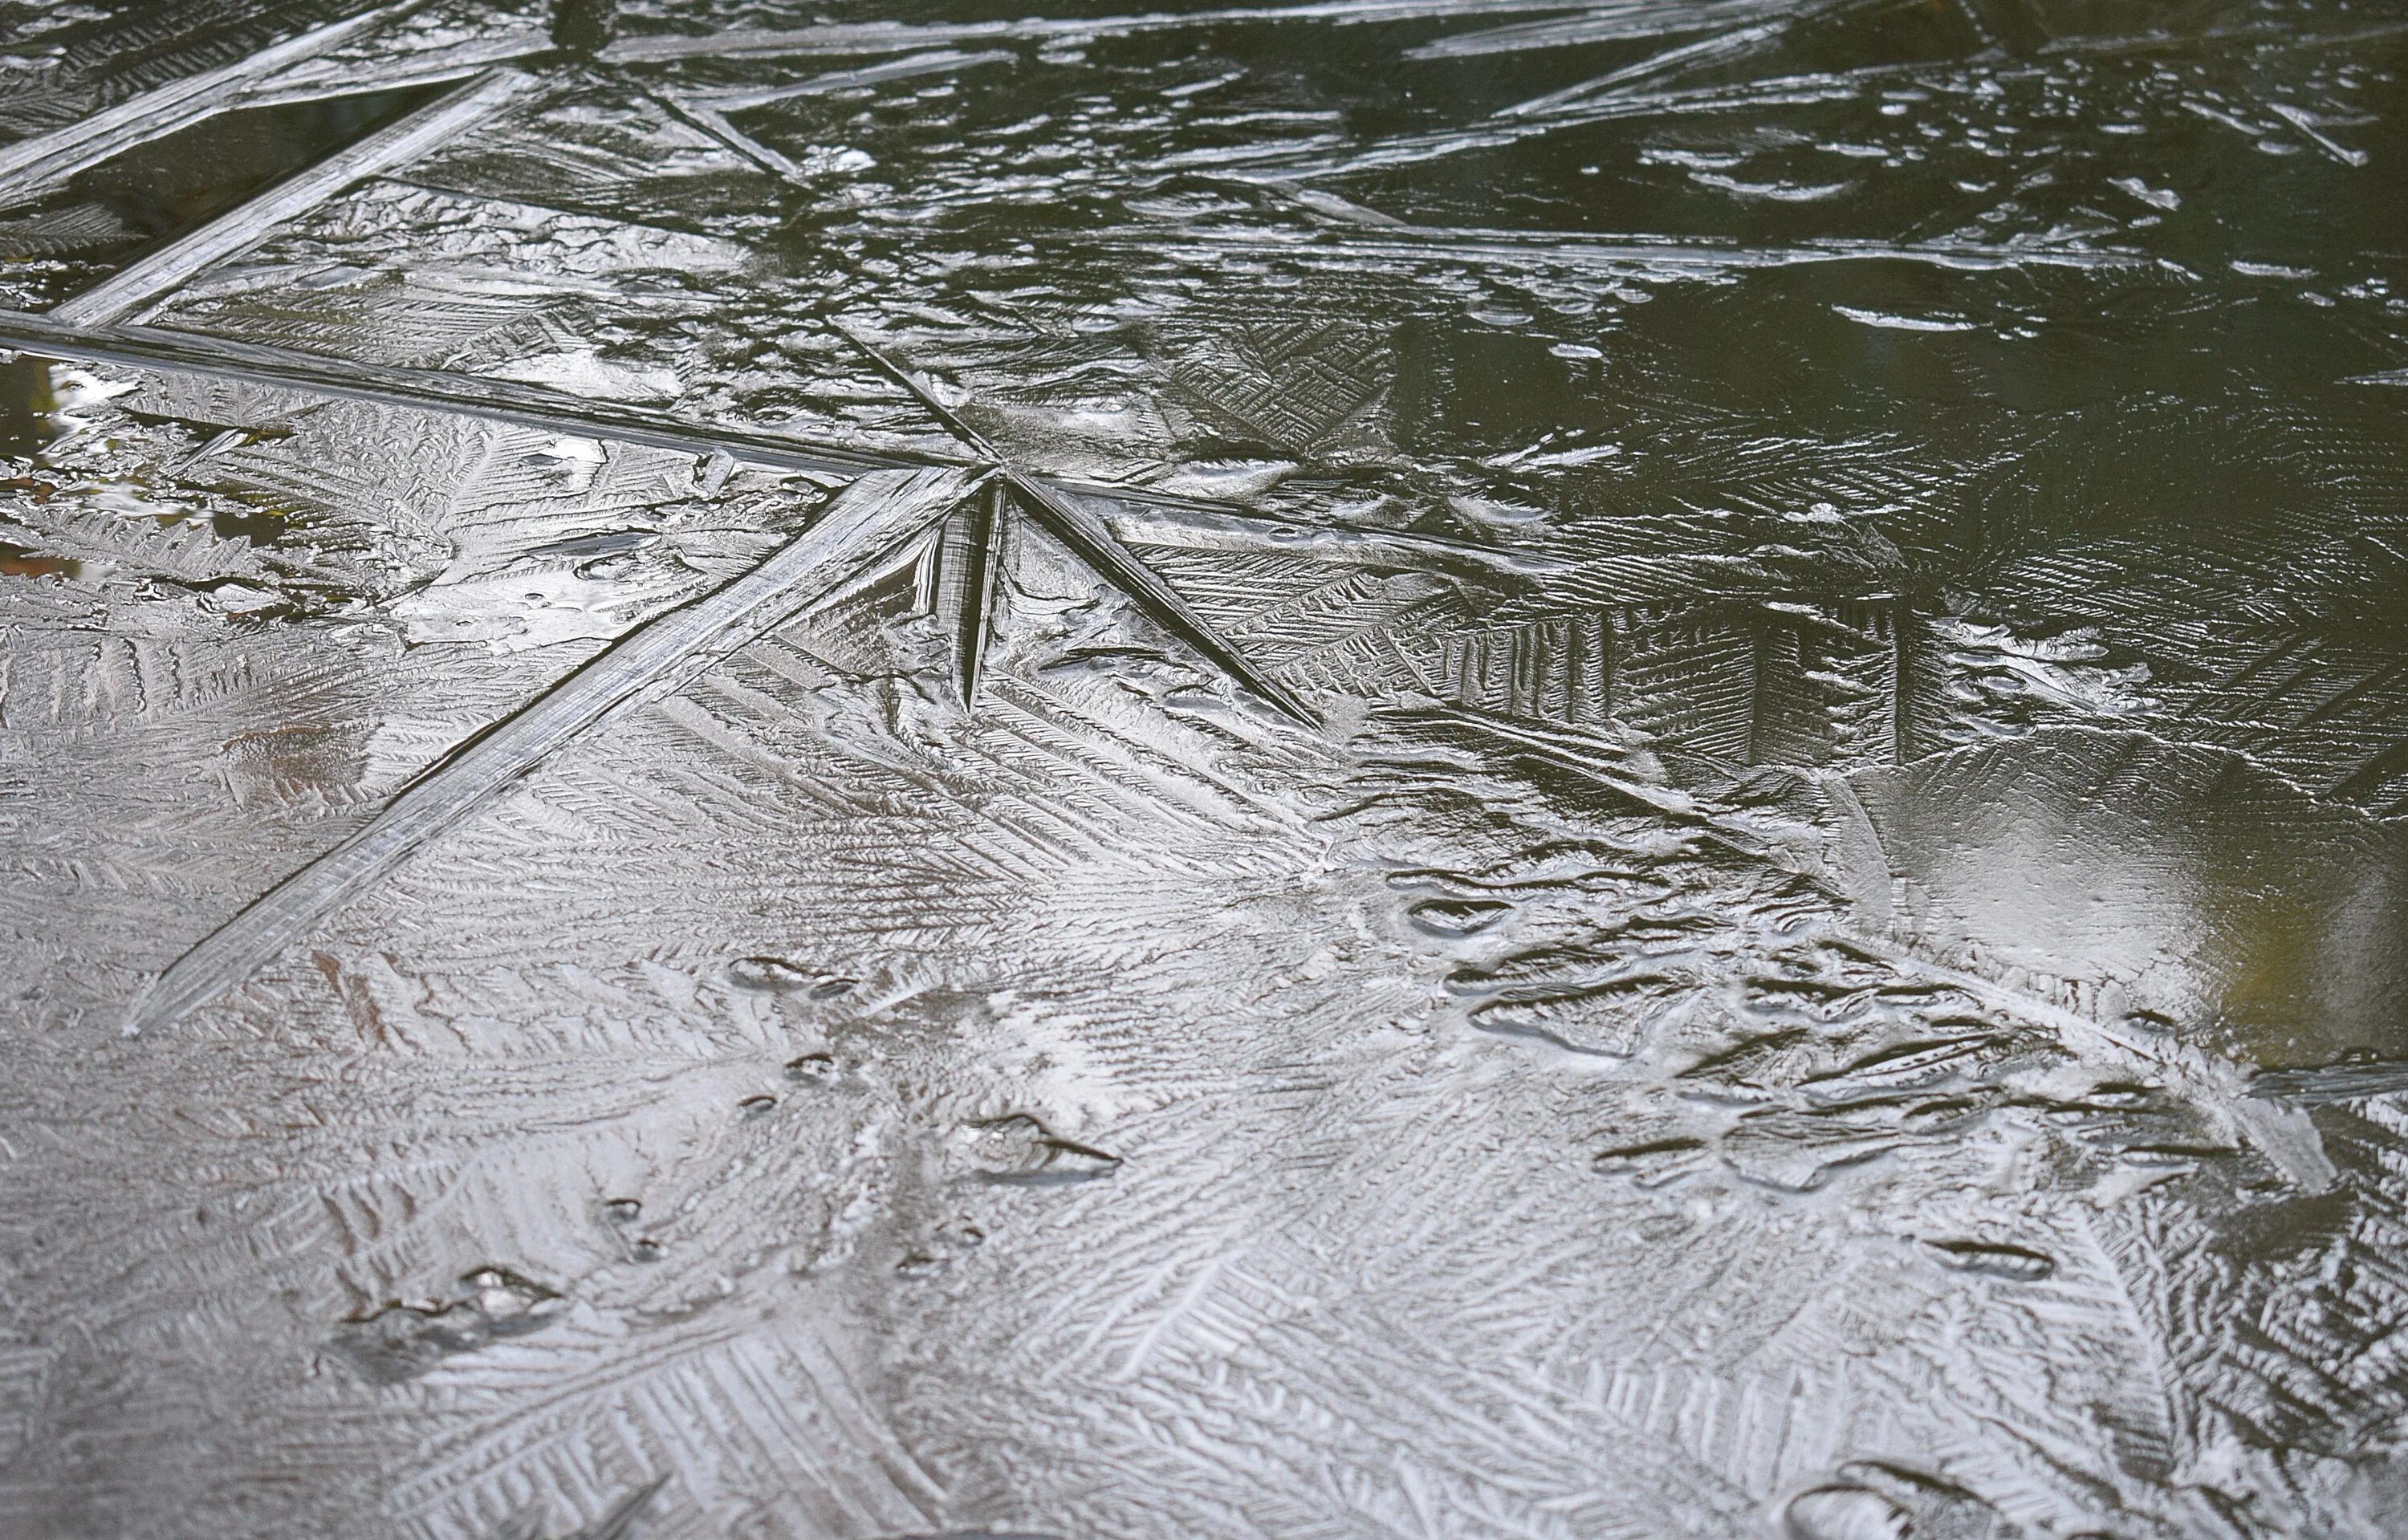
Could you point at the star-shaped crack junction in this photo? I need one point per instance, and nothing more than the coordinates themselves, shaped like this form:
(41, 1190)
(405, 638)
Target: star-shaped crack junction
(976, 497)
(969, 594)
(878, 512)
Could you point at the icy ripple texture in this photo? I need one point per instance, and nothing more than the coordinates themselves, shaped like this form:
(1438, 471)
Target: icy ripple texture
(1612, 768)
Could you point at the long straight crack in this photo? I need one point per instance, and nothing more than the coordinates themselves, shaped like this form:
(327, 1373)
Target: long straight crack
(1061, 516)
(432, 391)
(1086, 535)
(869, 518)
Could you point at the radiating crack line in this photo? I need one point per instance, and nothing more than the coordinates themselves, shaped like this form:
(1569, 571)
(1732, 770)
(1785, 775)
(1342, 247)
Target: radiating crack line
(256, 219)
(861, 524)
(457, 395)
(708, 120)
(968, 560)
(1093, 543)
(912, 380)
(1080, 529)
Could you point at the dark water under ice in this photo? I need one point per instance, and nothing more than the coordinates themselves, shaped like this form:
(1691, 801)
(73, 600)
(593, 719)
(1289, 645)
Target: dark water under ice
(1457, 768)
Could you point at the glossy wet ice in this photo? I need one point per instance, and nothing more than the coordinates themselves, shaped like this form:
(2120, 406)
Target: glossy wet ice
(1379, 767)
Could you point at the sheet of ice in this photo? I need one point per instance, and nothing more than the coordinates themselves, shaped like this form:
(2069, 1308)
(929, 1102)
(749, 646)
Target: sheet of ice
(1340, 767)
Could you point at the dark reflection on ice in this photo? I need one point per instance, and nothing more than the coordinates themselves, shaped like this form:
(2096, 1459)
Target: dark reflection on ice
(1394, 768)
(25, 405)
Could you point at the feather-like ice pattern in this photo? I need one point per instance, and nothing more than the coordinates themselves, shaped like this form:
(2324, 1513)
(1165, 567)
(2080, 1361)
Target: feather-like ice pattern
(1808, 941)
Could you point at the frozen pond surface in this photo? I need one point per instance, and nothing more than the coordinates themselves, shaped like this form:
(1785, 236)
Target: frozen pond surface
(1337, 768)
